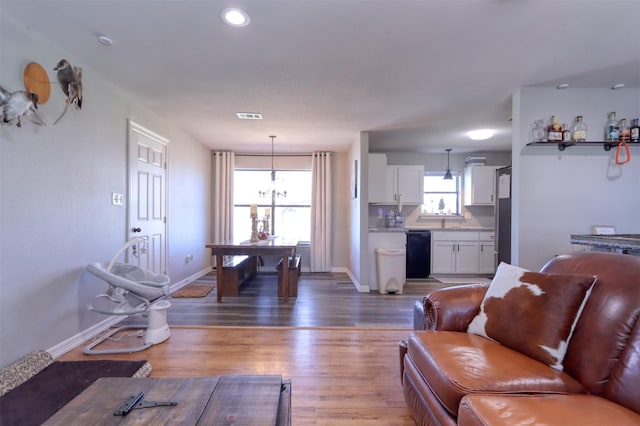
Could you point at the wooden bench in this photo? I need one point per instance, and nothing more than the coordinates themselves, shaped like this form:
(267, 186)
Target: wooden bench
(235, 271)
(294, 274)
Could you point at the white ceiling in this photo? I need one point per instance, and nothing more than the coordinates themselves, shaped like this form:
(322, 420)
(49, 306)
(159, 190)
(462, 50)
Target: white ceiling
(417, 74)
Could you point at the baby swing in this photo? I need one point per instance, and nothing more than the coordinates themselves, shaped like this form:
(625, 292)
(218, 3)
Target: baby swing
(132, 290)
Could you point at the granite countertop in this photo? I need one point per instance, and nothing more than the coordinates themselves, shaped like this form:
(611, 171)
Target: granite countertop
(387, 229)
(616, 241)
(431, 228)
(448, 228)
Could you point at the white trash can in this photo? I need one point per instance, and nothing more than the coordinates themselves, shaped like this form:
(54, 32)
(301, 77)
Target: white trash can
(391, 270)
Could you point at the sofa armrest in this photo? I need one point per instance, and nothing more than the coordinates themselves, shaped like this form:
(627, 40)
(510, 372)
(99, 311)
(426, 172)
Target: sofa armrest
(450, 308)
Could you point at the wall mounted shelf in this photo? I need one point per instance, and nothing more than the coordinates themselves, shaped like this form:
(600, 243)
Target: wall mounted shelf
(563, 145)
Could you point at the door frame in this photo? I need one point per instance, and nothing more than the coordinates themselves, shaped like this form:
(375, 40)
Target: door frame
(132, 127)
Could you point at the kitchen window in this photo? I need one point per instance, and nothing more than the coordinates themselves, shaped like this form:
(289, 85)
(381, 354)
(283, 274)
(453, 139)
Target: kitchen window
(290, 214)
(441, 196)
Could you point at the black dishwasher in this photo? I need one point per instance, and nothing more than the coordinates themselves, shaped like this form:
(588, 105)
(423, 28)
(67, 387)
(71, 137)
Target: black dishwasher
(418, 254)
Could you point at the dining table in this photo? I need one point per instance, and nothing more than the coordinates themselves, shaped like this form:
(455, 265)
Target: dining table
(271, 246)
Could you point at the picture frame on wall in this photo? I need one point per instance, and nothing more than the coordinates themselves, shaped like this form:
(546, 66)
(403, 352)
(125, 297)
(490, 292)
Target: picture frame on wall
(603, 229)
(354, 180)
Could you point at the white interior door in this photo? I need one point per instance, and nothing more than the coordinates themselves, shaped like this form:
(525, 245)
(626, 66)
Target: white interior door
(147, 198)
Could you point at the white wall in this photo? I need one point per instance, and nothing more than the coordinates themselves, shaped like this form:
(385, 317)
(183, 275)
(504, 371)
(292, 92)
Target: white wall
(358, 211)
(55, 189)
(556, 194)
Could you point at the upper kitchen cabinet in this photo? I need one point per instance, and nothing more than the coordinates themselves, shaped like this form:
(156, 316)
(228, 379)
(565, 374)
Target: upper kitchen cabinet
(393, 184)
(480, 185)
(408, 183)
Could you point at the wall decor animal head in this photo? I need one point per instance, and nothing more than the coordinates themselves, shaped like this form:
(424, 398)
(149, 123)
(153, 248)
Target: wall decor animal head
(70, 79)
(14, 105)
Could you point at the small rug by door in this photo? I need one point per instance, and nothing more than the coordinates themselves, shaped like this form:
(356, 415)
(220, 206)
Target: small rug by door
(193, 290)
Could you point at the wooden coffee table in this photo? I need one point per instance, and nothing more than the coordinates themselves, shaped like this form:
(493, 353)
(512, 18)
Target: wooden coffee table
(241, 400)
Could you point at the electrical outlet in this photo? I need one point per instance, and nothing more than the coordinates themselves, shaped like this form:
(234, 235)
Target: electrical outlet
(117, 199)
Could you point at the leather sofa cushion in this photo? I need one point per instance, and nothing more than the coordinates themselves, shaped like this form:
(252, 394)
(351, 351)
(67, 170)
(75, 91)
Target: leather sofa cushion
(606, 323)
(531, 312)
(456, 364)
(623, 386)
(508, 410)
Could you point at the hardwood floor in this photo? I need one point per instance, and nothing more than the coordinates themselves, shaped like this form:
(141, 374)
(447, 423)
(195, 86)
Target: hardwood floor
(339, 376)
(324, 300)
(339, 347)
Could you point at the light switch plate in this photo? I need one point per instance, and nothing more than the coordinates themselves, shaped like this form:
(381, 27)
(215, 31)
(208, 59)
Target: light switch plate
(117, 199)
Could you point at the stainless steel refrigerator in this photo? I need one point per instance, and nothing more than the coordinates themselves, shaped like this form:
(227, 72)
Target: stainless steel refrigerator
(503, 215)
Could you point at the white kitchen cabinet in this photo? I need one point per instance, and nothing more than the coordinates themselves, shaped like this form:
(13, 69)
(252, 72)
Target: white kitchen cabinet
(454, 252)
(479, 185)
(405, 184)
(387, 183)
(487, 256)
(409, 184)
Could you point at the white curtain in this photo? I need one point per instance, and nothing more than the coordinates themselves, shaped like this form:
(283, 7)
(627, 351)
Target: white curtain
(222, 221)
(320, 250)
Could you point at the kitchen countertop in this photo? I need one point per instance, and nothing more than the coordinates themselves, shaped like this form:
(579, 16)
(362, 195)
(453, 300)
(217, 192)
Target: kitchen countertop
(615, 241)
(424, 228)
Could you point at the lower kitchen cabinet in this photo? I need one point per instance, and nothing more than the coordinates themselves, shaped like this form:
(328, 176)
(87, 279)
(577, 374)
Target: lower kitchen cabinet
(455, 257)
(487, 256)
(462, 252)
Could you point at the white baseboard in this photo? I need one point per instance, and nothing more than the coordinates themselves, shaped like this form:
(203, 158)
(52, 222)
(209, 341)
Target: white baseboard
(189, 279)
(96, 329)
(360, 288)
(74, 341)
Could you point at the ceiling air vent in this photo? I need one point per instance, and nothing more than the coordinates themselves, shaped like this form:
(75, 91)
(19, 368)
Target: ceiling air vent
(249, 115)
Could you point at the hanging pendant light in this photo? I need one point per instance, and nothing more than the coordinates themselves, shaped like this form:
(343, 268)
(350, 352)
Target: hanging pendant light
(273, 170)
(448, 175)
(273, 189)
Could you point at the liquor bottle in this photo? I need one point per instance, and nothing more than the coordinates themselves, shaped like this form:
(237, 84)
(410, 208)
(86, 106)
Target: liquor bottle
(554, 131)
(634, 131)
(566, 133)
(579, 130)
(612, 128)
(625, 131)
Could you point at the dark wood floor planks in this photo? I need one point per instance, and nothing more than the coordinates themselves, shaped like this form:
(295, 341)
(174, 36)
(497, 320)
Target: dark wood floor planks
(324, 300)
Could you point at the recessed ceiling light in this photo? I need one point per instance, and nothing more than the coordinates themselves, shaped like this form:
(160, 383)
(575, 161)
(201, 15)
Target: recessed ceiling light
(249, 115)
(617, 86)
(480, 135)
(235, 17)
(562, 86)
(103, 39)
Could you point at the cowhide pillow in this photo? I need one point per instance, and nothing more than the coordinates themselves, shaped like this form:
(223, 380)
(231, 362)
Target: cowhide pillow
(531, 312)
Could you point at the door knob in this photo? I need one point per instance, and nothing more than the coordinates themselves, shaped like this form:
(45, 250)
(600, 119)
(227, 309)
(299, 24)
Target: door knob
(138, 229)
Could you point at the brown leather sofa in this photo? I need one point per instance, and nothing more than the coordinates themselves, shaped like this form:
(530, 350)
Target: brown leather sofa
(451, 377)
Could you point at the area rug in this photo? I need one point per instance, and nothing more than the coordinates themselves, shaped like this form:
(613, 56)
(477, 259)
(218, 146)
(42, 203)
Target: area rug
(194, 290)
(37, 399)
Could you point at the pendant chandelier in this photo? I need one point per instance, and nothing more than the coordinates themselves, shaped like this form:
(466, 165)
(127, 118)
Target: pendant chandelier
(447, 175)
(273, 189)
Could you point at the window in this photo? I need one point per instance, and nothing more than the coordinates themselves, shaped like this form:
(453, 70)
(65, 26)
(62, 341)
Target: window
(441, 196)
(290, 215)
